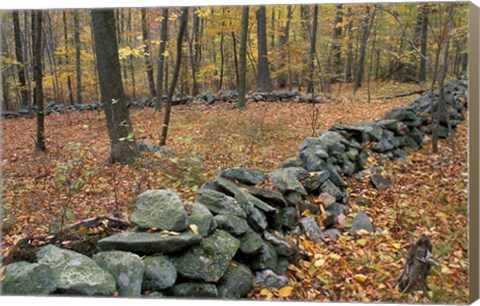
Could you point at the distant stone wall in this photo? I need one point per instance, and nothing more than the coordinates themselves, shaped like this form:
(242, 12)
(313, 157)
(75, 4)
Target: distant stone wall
(233, 236)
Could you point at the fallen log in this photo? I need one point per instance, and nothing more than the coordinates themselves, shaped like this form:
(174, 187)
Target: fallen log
(411, 93)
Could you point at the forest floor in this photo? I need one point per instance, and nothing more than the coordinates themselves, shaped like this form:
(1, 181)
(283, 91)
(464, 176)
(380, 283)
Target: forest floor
(72, 181)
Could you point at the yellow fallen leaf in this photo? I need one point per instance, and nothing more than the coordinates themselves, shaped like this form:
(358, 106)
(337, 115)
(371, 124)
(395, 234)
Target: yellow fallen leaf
(319, 263)
(334, 256)
(194, 228)
(361, 278)
(362, 242)
(264, 292)
(285, 291)
(396, 245)
(233, 264)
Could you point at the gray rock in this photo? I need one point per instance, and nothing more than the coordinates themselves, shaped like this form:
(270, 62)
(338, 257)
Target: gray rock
(243, 197)
(256, 219)
(293, 198)
(194, 290)
(384, 145)
(250, 243)
(332, 233)
(126, 268)
(331, 189)
(232, 224)
(23, 278)
(309, 182)
(160, 273)
(148, 243)
(160, 209)
(268, 279)
(202, 218)
(267, 195)
(313, 231)
(361, 221)
(219, 203)
(333, 212)
(286, 183)
(321, 153)
(236, 282)
(335, 177)
(322, 176)
(245, 175)
(380, 182)
(266, 258)
(362, 159)
(326, 199)
(311, 161)
(292, 162)
(281, 245)
(285, 219)
(209, 260)
(363, 202)
(76, 273)
(282, 265)
(154, 295)
(313, 208)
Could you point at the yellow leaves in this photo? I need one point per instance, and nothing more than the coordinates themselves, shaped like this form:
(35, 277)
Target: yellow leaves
(319, 263)
(334, 256)
(285, 291)
(193, 228)
(361, 278)
(362, 242)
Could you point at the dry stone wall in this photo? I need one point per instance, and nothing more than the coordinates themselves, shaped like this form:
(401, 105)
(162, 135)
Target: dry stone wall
(233, 236)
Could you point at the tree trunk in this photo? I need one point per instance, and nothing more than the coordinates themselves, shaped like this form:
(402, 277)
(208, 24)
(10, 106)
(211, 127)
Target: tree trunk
(242, 71)
(264, 82)
(349, 61)
(423, 44)
(20, 59)
(146, 50)
(313, 50)
(38, 74)
(176, 72)
(367, 25)
(222, 61)
(235, 55)
(195, 53)
(334, 62)
(122, 142)
(78, 64)
(132, 69)
(65, 37)
(161, 59)
(283, 78)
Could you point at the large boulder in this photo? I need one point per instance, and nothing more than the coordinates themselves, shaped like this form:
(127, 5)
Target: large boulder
(23, 278)
(219, 203)
(236, 282)
(202, 218)
(244, 175)
(76, 273)
(148, 243)
(209, 260)
(126, 268)
(160, 273)
(160, 209)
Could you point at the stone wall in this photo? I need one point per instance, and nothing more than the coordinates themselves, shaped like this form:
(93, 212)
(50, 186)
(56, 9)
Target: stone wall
(234, 236)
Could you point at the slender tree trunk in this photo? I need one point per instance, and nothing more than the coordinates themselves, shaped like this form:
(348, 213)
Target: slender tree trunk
(313, 50)
(195, 53)
(67, 67)
(161, 59)
(176, 72)
(264, 82)
(132, 44)
(349, 61)
(38, 74)
(423, 45)
(3, 74)
(242, 71)
(20, 59)
(146, 50)
(370, 63)
(235, 55)
(78, 64)
(123, 148)
(367, 25)
(28, 16)
(222, 61)
(334, 61)
(50, 47)
(285, 77)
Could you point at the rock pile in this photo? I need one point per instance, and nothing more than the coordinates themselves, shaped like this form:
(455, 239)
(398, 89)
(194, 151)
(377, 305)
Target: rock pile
(234, 235)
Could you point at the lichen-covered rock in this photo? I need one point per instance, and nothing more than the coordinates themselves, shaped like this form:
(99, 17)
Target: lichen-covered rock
(160, 273)
(76, 273)
(250, 243)
(127, 269)
(23, 278)
(160, 209)
(266, 258)
(232, 224)
(209, 260)
(332, 190)
(194, 290)
(143, 243)
(256, 219)
(285, 219)
(236, 283)
(219, 203)
(281, 245)
(244, 175)
(285, 183)
(202, 218)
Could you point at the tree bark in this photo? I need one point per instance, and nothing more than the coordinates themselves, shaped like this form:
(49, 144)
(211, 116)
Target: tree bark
(283, 78)
(242, 71)
(146, 50)
(313, 50)
(20, 59)
(65, 37)
(334, 62)
(195, 53)
(367, 25)
(176, 72)
(132, 70)
(161, 59)
(264, 82)
(122, 142)
(38, 74)
(78, 64)
(423, 44)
